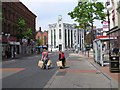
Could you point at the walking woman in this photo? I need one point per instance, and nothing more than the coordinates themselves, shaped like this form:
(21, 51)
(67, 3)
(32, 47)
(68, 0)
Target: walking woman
(45, 58)
(62, 58)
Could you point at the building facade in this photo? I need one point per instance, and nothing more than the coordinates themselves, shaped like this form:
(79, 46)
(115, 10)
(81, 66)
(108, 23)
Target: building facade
(114, 23)
(43, 36)
(118, 10)
(62, 36)
(11, 12)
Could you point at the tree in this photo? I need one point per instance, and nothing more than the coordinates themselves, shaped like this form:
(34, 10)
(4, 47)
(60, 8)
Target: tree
(20, 27)
(86, 12)
(27, 33)
(23, 31)
(39, 42)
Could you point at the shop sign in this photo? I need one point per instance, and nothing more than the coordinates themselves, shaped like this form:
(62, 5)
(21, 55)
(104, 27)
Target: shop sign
(105, 25)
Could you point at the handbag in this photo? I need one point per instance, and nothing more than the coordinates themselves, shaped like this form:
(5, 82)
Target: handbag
(40, 63)
(59, 63)
(49, 63)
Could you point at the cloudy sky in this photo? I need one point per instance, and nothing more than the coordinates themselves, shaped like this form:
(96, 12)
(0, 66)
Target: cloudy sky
(47, 11)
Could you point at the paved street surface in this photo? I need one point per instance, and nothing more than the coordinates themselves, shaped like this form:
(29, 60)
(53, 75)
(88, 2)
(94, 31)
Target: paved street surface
(80, 73)
(24, 73)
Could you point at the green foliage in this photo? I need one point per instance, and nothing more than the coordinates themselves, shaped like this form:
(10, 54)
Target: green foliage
(86, 12)
(39, 42)
(27, 33)
(23, 31)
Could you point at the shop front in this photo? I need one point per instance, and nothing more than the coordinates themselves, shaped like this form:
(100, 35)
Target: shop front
(10, 48)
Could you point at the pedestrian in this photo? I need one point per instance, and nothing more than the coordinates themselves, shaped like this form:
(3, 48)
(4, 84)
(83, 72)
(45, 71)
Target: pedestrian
(62, 58)
(45, 58)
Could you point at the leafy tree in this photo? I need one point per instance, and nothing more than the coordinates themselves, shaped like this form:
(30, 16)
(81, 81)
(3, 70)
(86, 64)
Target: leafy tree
(21, 27)
(86, 12)
(27, 33)
(23, 31)
(39, 42)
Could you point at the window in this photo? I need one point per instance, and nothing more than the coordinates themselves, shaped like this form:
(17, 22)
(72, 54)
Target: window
(65, 38)
(59, 33)
(68, 38)
(59, 25)
(54, 38)
(44, 40)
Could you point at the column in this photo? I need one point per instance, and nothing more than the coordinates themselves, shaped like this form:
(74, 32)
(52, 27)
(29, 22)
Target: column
(67, 37)
(53, 37)
(70, 37)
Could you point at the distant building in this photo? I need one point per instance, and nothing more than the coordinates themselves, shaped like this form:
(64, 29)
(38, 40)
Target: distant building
(11, 12)
(42, 35)
(62, 36)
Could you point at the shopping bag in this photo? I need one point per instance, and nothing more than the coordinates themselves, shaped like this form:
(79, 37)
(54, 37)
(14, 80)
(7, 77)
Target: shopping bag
(49, 63)
(40, 63)
(59, 63)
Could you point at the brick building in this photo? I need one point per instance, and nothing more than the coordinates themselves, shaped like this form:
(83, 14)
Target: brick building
(11, 12)
(43, 36)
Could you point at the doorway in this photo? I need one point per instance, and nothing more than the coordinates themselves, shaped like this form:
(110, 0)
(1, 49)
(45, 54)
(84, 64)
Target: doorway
(60, 47)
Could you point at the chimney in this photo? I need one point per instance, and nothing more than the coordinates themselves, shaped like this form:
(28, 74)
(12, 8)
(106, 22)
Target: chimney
(40, 29)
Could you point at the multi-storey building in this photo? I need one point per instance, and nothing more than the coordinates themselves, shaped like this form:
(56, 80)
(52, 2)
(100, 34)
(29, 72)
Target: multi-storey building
(62, 36)
(11, 12)
(43, 35)
(114, 20)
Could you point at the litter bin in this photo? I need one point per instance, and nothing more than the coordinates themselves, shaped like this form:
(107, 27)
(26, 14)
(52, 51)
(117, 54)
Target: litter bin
(114, 64)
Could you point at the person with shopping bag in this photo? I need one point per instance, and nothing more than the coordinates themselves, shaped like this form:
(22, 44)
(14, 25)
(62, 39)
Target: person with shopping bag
(45, 58)
(61, 60)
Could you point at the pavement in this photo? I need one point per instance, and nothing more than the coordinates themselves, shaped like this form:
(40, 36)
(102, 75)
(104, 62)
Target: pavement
(82, 72)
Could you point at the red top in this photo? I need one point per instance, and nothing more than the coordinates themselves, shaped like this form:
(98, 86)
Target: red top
(45, 54)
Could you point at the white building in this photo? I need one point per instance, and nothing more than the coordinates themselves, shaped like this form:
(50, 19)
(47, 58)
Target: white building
(62, 36)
